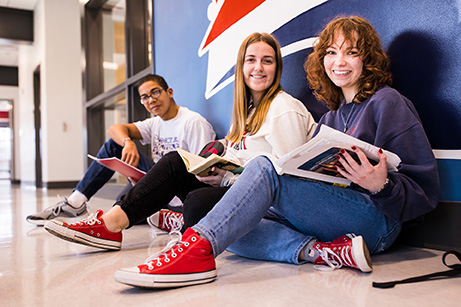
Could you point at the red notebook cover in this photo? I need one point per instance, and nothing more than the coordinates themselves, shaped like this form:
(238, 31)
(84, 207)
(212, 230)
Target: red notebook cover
(123, 168)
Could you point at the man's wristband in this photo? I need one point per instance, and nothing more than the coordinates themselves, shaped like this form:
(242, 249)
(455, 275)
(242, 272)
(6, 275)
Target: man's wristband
(124, 141)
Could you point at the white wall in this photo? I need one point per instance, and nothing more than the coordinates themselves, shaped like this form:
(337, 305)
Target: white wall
(57, 49)
(12, 93)
(62, 110)
(24, 114)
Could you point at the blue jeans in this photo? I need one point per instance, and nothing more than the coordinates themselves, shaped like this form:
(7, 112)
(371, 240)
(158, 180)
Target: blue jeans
(98, 175)
(270, 217)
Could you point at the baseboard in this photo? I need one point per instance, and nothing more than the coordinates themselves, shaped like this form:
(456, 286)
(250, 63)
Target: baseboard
(60, 184)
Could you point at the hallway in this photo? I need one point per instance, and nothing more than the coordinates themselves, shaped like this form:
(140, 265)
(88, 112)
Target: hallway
(37, 269)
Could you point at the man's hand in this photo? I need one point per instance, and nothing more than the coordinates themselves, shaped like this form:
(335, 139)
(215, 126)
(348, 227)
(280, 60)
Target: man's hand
(130, 154)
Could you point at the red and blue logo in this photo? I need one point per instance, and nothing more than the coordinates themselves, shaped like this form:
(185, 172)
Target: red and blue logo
(231, 21)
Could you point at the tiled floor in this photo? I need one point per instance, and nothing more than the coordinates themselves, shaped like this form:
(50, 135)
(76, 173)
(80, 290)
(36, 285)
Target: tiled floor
(37, 269)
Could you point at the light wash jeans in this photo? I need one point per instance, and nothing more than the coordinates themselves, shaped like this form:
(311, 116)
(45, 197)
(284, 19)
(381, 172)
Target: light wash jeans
(98, 175)
(270, 217)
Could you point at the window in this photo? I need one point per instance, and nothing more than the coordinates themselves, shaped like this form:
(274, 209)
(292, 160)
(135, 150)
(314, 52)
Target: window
(113, 34)
(114, 113)
(117, 41)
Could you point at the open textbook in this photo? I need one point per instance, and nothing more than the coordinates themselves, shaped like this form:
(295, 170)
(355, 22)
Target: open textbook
(201, 166)
(316, 159)
(123, 168)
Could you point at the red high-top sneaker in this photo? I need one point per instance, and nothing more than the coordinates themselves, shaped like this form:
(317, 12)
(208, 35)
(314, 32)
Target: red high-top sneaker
(166, 220)
(349, 250)
(186, 260)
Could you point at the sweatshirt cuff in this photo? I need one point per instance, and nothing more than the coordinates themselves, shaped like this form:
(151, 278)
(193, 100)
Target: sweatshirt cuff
(228, 179)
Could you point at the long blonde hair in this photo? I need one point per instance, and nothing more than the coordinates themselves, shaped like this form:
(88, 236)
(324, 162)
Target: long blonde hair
(242, 93)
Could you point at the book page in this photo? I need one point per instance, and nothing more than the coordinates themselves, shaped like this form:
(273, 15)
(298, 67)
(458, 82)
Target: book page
(190, 159)
(202, 167)
(316, 159)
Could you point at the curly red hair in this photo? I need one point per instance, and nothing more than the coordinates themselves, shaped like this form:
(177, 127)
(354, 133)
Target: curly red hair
(358, 32)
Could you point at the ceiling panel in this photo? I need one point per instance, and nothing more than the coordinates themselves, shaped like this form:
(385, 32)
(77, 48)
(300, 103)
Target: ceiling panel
(19, 4)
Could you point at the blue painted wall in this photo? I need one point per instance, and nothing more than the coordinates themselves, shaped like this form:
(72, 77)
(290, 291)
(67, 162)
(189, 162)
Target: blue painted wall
(422, 38)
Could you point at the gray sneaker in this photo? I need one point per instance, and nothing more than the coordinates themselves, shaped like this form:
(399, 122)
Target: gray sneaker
(62, 210)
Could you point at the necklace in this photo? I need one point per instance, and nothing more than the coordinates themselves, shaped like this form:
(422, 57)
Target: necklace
(345, 122)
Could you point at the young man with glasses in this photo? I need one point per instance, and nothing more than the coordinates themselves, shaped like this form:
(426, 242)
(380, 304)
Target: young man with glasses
(170, 128)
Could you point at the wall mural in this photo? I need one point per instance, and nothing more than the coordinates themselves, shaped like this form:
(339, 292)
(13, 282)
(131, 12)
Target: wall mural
(197, 42)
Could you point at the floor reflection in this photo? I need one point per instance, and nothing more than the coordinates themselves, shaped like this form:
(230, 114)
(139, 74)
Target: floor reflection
(37, 269)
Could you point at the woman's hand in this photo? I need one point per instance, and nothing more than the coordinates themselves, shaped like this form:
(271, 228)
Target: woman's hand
(213, 180)
(369, 177)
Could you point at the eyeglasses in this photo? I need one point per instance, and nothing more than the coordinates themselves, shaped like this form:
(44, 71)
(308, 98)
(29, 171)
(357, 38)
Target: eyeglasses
(154, 94)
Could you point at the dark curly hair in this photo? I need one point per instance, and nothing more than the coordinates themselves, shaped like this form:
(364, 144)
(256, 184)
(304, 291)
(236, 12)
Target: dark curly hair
(358, 32)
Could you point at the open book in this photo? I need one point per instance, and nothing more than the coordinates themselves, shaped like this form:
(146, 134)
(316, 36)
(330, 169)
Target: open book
(123, 168)
(316, 159)
(201, 166)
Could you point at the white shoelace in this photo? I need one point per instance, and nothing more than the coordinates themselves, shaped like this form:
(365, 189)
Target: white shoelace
(173, 221)
(56, 209)
(334, 262)
(176, 239)
(90, 220)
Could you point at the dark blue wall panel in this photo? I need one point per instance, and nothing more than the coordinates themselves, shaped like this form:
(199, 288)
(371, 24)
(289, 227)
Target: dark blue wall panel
(422, 39)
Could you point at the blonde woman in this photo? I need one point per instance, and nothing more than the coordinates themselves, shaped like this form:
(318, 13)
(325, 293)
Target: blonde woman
(266, 120)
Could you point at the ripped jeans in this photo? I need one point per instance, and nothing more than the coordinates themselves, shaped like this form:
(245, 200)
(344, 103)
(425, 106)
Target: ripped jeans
(271, 217)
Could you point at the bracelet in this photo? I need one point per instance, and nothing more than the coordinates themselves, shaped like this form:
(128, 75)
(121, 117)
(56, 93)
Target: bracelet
(382, 188)
(124, 141)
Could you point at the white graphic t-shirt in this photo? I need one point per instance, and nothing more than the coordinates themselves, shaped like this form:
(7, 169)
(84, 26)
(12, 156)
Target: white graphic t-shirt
(188, 130)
